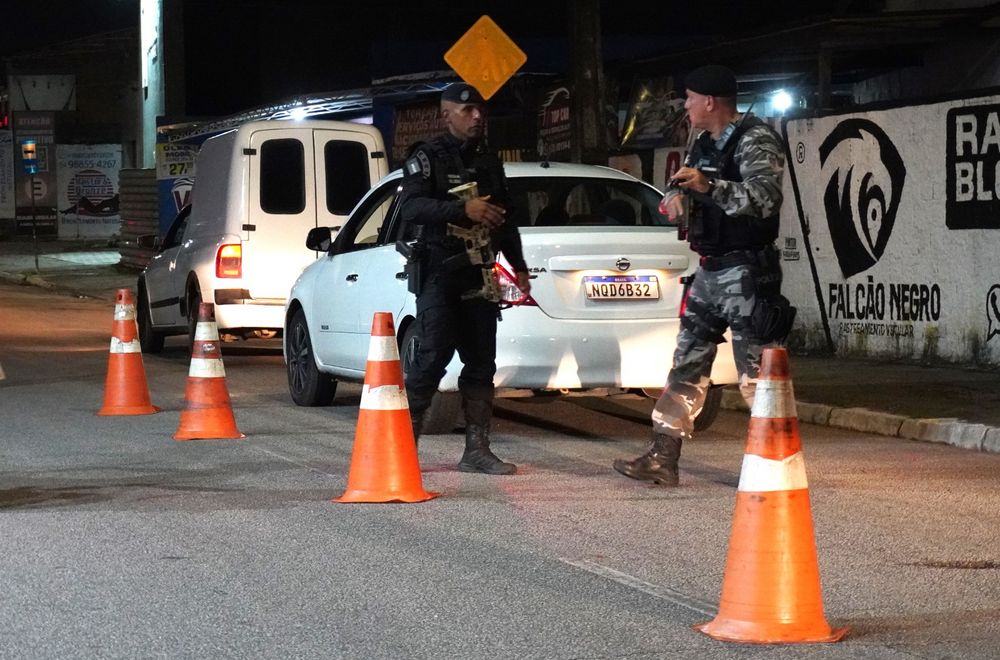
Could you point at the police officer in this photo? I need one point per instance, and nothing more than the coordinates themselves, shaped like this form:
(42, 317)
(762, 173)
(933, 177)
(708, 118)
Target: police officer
(732, 182)
(457, 302)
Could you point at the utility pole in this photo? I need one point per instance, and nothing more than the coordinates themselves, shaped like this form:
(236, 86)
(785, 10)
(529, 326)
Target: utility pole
(589, 137)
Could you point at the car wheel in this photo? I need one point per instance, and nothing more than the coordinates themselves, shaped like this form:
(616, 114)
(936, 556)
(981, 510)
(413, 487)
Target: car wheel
(709, 411)
(307, 385)
(150, 341)
(442, 415)
(194, 302)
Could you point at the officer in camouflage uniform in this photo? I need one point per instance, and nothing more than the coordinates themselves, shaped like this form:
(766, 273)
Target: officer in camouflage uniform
(732, 179)
(457, 299)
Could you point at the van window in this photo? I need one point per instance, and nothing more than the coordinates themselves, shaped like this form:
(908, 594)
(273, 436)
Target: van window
(347, 177)
(282, 177)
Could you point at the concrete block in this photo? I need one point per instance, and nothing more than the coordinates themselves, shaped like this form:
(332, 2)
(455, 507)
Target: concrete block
(967, 436)
(948, 431)
(928, 430)
(991, 441)
(866, 421)
(813, 413)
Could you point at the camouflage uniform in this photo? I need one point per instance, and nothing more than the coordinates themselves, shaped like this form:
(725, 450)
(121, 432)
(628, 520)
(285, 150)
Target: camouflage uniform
(721, 297)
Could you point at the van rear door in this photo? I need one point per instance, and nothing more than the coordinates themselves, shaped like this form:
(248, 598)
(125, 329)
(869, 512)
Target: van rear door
(300, 178)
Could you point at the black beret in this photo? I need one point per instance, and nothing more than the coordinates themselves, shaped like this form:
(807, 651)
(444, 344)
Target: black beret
(461, 93)
(712, 80)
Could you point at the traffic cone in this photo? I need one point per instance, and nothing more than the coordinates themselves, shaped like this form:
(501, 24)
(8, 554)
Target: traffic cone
(207, 413)
(384, 466)
(125, 389)
(771, 590)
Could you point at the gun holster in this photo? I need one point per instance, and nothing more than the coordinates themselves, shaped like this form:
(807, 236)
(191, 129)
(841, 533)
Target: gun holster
(415, 267)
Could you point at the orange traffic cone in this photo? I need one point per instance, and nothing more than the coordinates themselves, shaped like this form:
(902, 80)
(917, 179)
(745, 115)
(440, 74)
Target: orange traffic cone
(208, 413)
(771, 590)
(125, 390)
(384, 466)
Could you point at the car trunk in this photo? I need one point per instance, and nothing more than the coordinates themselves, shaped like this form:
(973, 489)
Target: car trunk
(600, 273)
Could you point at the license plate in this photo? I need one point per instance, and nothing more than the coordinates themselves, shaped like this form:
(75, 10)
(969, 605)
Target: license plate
(621, 287)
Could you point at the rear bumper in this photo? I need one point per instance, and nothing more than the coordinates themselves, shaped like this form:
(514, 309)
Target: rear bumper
(250, 315)
(535, 351)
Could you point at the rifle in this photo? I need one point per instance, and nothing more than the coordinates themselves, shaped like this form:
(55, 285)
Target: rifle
(684, 220)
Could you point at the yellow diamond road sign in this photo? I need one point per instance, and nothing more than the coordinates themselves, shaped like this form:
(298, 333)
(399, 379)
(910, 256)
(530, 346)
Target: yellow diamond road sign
(485, 57)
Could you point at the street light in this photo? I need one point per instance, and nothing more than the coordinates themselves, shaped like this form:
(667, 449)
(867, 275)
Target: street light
(781, 101)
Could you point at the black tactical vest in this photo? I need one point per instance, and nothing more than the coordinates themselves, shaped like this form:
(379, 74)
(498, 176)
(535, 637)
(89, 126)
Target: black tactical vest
(711, 232)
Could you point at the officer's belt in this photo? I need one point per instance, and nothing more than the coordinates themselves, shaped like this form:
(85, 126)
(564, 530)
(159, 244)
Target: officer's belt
(734, 258)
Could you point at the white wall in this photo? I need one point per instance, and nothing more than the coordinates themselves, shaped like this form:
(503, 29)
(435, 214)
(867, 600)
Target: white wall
(890, 231)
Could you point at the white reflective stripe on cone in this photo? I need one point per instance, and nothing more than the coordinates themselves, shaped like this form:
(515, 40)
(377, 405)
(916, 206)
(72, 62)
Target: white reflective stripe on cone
(211, 368)
(774, 399)
(119, 346)
(382, 349)
(761, 475)
(206, 331)
(386, 397)
(124, 312)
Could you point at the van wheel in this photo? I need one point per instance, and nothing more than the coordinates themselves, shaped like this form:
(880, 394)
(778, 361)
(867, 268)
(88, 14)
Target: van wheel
(709, 411)
(442, 415)
(307, 385)
(150, 341)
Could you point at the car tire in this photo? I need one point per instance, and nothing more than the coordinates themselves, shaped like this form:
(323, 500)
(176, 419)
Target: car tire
(307, 385)
(150, 341)
(442, 415)
(194, 302)
(709, 411)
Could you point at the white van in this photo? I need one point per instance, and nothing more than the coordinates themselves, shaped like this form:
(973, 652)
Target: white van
(260, 188)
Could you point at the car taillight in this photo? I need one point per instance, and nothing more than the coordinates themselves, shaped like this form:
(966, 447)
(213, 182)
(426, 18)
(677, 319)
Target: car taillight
(229, 261)
(686, 283)
(509, 292)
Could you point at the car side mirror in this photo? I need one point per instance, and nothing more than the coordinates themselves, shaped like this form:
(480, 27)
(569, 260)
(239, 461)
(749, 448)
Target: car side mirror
(319, 239)
(149, 241)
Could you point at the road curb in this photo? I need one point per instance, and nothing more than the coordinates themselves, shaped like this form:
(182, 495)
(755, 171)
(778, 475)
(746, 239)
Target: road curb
(953, 432)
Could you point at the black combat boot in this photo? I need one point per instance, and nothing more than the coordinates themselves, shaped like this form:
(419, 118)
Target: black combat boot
(658, 465)
(417, 421)
(477, 456)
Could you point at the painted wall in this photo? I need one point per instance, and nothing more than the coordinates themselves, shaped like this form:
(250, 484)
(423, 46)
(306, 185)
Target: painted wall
(890, 231)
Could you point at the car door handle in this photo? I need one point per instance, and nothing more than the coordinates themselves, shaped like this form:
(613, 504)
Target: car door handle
(401, 275)
(353, 277)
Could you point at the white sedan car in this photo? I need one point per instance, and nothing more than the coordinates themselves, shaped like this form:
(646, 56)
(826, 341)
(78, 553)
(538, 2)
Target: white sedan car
(608, 284)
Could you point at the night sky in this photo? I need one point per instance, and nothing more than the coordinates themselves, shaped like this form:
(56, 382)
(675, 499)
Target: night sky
(294, 46)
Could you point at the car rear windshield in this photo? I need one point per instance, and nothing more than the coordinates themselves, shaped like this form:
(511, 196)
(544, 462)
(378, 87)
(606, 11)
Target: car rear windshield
(579, 201)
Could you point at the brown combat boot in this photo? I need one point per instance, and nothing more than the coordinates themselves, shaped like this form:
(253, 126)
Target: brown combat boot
(658, 465)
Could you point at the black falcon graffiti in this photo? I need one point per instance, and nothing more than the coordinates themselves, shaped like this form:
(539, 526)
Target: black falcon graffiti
(863, 191)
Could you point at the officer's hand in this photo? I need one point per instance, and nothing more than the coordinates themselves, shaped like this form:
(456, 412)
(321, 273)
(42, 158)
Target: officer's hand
(523, 282)
(479, 210)
(689, 178)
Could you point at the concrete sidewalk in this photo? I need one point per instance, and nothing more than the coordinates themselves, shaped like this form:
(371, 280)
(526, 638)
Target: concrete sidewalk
(940, 403)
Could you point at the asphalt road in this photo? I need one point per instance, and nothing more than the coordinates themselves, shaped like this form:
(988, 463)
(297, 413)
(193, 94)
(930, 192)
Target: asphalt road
(118, 542)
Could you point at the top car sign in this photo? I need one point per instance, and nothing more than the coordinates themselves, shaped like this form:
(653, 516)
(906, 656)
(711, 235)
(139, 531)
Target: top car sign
(485, 57)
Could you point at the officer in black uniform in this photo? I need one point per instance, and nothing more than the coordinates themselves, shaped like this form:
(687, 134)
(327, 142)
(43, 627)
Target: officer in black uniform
(457, 296)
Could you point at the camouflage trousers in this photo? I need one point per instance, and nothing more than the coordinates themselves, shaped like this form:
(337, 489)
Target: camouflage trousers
(717, 300)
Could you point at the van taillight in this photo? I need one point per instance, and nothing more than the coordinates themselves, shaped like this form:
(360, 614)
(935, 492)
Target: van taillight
(509, 292)
(229, 261)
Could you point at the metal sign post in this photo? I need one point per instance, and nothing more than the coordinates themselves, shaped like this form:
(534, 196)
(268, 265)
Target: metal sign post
(30, 159)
